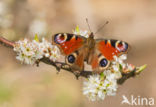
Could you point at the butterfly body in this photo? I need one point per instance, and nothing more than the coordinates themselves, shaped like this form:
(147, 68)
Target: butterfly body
(96, 52)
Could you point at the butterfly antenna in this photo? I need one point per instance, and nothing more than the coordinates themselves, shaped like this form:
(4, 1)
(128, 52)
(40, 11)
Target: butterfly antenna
(88, 25)
(102, 26)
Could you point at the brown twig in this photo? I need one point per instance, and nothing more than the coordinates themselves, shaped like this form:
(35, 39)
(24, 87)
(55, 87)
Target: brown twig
(64, 66)
(6, 42)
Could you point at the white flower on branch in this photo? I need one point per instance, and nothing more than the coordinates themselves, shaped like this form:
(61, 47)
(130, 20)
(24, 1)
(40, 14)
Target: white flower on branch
(48, 50)
(77, 31)
(120, 60)
(98, 86)
(29, 52)
(26, 51)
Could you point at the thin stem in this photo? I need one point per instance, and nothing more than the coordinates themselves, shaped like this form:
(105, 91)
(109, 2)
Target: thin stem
(6, 42)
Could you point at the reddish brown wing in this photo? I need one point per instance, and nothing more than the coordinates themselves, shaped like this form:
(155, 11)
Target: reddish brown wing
(68, 43)
(104, 52)
(76, 60)
(109, 48)
(72, 46)
(98, 61)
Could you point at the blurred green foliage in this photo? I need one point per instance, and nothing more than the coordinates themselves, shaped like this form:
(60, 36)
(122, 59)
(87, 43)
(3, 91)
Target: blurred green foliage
(6, 92)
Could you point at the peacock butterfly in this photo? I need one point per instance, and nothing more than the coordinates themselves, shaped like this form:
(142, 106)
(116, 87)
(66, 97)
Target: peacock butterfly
(96, 52)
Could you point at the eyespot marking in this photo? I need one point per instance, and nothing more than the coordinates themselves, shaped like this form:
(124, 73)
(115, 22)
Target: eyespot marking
(103, 63)
(71, 59)
(121, 46)
(60, 38)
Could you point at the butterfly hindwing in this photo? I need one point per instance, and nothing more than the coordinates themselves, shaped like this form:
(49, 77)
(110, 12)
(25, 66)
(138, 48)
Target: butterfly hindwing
(76, 60)
(98, 61)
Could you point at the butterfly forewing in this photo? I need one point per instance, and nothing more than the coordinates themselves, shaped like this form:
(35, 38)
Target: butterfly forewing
(68, 42)
(110, 48)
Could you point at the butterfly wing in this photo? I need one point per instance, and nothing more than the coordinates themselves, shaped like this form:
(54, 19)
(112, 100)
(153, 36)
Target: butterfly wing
(98, 61)
(104, 52)
(109, 48)
(72, 47)
(68, 43)
(76, 60)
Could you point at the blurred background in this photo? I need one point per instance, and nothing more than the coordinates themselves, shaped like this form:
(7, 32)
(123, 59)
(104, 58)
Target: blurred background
(133, 21)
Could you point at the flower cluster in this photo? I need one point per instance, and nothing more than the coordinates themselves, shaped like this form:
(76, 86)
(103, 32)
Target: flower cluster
(29, 52)
(105, 84)
(98, 86)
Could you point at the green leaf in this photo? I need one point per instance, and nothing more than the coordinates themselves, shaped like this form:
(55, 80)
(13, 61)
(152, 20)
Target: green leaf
(77, 29)
(140, 69)
(36, 38)
(102, 76)
(120, 67)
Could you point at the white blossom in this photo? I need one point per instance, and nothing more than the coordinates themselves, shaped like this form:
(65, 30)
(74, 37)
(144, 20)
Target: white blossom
(25, 51)
(30, 51)
(130, 67)
(49, 50)
(120, 60)
(84, 33)
(97, 87)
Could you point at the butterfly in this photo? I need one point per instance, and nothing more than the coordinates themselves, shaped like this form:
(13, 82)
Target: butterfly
(96, 52)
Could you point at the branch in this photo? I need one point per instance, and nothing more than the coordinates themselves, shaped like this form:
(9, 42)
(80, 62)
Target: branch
(64, 66)
(6, 42)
